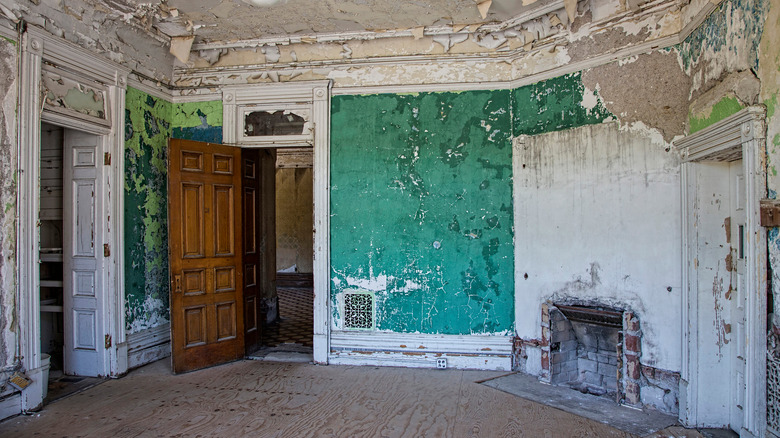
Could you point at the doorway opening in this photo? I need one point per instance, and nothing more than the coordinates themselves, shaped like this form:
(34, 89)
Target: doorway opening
(290, 326)
(70, 296)
(724, 248)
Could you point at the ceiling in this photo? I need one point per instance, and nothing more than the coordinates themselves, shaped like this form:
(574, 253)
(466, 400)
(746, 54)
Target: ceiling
(215, 21)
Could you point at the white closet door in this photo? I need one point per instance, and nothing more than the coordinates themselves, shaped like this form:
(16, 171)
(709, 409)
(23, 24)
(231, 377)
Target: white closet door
(83, 295)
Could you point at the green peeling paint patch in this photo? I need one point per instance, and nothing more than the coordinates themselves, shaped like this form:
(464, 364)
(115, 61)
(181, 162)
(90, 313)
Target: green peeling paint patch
(193, 114)
(771, 106)
(147, 130)
(555, 104)
(421, 209)
(724, 108)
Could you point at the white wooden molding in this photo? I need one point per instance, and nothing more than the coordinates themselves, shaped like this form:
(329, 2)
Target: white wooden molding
(37, 47)
(28, 234)
(422, 88)
(368, 35)
(688, 412)
(742, 135)
(8, 30)
(148, 345)
(159, 90)
(315, 97)
(420, 350)
(203, 95)
(321, 176)
(224, 76)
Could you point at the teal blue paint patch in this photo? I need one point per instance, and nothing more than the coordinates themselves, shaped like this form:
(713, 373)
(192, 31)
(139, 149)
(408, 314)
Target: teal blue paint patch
(421, 196)
(554, 105)
(713, 35)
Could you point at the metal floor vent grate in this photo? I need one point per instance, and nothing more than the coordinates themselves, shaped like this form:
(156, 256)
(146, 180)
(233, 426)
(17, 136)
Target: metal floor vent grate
(773, 393)
(359, 310)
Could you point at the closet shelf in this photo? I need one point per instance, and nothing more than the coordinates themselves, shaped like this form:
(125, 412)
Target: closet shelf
(51, 257)
(51, 283)
(52, 309)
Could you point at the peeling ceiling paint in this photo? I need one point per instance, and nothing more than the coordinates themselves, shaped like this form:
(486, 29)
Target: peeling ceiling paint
(229, 20)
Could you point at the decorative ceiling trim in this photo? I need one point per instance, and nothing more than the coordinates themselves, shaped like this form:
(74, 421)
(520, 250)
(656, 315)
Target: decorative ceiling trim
(342, 37)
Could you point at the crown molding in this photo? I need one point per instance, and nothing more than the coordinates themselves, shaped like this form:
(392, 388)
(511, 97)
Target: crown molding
(8, 29)
(222, 76)
(343, 37)
(159, 91)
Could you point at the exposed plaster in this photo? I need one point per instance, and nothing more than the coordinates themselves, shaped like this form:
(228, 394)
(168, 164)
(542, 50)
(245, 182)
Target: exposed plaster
(8, 166)
(659, 101)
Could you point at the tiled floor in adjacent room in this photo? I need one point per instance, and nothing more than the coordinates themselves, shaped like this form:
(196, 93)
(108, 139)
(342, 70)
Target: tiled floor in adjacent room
(296, 326)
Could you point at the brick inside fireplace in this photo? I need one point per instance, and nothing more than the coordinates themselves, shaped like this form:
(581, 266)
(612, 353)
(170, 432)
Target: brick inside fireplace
(593, 349)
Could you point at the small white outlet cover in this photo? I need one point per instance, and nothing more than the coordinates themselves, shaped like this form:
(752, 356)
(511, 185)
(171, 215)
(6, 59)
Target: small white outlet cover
(441, 364)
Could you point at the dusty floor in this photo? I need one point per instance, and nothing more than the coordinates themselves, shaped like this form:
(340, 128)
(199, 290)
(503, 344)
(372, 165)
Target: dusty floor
(266, 399)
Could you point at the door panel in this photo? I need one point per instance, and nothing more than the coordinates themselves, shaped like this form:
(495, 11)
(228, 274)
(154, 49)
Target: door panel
(251, 210)
(84, 349)
(206, 266)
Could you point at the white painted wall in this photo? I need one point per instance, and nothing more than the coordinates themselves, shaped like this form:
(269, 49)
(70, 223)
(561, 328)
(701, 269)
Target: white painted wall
(597, 218)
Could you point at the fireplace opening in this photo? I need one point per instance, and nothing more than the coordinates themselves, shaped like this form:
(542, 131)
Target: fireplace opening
(586, 349)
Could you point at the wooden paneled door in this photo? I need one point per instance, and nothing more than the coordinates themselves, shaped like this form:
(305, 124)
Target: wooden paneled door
(206, 252)
(259, 198)
(252, 248)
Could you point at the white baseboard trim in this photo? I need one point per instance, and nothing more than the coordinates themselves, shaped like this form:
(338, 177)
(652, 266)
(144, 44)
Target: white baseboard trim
(10, 405)
(148, 346)
(421, 351)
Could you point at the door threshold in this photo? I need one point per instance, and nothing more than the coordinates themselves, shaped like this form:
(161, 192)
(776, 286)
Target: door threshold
(294, 353)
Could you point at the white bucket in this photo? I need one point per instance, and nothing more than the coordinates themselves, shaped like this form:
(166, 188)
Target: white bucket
(45, 365)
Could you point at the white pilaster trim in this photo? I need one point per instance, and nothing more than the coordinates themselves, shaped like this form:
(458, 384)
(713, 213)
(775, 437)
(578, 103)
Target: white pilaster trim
(321, 175)
(689, 375)
(28, 233)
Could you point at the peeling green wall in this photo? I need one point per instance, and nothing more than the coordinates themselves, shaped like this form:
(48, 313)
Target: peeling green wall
(199, 121)
(147, 130)
(149, 123)
(421, 209)
(722, 109)
(554, 105)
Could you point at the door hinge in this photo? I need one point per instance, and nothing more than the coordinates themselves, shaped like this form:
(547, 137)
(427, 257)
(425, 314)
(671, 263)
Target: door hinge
(108, 341)
(107, 158)
(106, 250)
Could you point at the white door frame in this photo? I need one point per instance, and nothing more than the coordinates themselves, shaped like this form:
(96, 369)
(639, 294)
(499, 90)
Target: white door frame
(37, 47)
(742, 135)
(315, 96)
